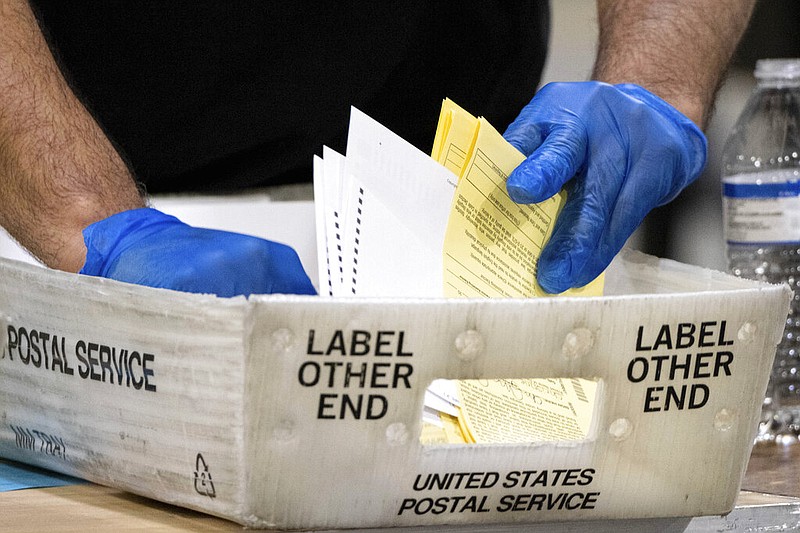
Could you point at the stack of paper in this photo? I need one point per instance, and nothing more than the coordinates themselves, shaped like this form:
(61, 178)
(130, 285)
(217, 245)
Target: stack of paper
(381, 215)
(391, 221)
(394, 221)
(492, 244)
(508, 410)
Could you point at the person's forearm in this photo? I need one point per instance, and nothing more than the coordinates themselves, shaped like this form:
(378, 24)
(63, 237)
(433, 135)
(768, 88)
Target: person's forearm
(677, 49)
(58, 171)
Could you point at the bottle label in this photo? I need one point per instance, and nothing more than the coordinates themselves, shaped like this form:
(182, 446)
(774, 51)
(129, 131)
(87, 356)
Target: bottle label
(761, 213)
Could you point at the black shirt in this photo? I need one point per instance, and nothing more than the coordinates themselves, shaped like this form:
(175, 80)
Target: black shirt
(218, 95)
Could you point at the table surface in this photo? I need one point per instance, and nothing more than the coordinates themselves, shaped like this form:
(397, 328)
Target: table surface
(773, 470)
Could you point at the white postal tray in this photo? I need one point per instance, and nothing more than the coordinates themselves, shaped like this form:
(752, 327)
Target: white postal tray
(227, 406)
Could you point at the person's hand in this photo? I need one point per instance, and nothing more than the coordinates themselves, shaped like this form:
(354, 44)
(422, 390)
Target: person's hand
(620, 150)
(148, 247)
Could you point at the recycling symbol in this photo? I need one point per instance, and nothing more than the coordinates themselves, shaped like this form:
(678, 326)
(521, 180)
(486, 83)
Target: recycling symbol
(202, 478)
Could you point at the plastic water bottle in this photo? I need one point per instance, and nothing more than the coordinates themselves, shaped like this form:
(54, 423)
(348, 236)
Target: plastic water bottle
(761, 195)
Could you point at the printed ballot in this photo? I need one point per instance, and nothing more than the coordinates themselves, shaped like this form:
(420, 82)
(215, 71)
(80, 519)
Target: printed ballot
(396, 223)
(509, 410)
(492, 243)
(393, 221)
(386, 206)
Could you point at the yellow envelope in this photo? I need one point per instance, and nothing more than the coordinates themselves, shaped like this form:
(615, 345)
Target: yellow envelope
(492, 244)
(455, 136)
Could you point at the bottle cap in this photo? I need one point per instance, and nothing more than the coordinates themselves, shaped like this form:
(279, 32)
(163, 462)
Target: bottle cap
(778, 69)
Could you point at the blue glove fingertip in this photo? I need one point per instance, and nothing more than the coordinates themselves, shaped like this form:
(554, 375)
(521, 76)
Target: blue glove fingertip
(304, 286)
(294, 279)
(552, 284)
(554, 272)
(520, 194)
(522, 187)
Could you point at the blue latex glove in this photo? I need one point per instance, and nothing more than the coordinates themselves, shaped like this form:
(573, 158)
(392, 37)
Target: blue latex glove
(628, 151)
(148, 247)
